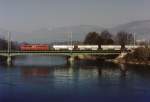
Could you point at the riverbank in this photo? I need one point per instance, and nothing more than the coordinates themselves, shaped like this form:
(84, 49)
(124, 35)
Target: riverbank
(140, 56)
(123, 61)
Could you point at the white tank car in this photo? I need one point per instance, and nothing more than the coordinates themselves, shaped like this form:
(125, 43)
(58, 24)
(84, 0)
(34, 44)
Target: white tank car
(111, 47)
(129, 47)
(88, 47)
(63, 47)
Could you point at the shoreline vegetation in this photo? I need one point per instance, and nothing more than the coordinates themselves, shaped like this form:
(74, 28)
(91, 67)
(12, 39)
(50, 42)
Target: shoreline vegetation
(139, 56)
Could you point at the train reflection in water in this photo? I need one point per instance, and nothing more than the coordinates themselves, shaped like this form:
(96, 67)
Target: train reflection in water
(35, 71)
(79, 71)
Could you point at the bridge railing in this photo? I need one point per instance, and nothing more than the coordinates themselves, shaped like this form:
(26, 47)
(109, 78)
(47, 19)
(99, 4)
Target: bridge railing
(63, 51)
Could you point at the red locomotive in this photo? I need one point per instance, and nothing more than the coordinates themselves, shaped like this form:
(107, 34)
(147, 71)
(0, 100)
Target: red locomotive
(34, 47)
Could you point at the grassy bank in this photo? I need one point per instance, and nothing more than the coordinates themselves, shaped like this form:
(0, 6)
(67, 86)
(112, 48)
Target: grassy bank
(138, 56)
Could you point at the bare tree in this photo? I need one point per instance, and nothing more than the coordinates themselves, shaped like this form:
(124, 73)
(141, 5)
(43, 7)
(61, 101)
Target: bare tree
(93, 38)
(106, 37)
(124, 38)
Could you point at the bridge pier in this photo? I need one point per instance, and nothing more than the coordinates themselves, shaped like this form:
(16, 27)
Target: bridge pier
(9, 60)
(70, 60)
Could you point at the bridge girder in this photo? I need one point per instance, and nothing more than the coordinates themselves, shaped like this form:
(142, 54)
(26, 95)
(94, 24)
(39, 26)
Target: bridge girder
(57, 53)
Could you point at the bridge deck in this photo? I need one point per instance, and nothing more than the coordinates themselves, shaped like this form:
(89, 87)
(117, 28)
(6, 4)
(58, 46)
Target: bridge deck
(60, 52)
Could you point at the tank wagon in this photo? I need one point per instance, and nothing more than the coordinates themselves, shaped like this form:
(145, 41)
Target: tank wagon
(110, 47)
(63, 47)
(87, 47)
(129, 47)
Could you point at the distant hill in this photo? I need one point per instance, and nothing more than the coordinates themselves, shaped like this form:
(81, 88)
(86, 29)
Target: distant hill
(140, 28)
(58, 34)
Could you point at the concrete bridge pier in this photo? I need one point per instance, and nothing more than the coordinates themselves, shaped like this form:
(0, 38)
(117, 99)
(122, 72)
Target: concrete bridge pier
(9, 60)
(70, 60)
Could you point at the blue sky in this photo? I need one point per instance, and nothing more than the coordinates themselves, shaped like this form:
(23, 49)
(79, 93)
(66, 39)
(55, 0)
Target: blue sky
(28, 15)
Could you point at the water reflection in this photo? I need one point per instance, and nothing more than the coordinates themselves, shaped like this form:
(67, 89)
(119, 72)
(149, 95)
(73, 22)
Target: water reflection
(27, 72)
(37, 71)
(123, 70)
(81, 82)
(77, 72)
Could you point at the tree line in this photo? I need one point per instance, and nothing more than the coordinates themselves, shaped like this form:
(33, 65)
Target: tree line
(4, 44)
(106, 38)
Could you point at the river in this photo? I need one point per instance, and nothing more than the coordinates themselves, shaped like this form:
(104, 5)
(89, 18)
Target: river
(50, 79)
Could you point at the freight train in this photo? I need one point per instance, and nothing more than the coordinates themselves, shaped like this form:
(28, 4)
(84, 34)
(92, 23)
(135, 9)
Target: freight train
(46, 47)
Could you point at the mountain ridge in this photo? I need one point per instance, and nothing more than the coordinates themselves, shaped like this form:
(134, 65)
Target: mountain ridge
(140, 28)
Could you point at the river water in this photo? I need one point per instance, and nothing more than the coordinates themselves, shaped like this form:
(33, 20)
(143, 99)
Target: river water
(50, 79)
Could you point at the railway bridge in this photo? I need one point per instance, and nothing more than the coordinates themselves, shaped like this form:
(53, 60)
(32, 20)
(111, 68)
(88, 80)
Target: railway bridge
(70, 54)
(67, 53)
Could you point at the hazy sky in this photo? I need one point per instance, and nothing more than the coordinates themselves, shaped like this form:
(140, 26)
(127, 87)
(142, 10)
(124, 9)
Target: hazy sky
(28, 15)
